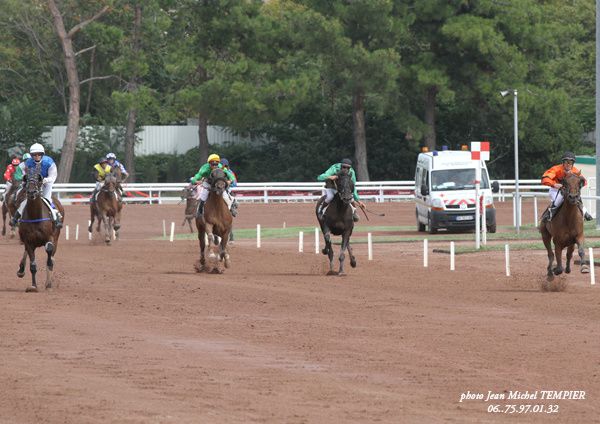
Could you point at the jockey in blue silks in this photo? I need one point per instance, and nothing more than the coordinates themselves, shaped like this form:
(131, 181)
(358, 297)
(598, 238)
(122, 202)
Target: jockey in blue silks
(48, 172)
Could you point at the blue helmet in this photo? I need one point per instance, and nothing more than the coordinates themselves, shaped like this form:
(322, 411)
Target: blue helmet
(224, 162)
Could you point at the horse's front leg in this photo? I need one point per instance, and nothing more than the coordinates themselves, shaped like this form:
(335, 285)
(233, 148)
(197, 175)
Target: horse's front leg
(345, 242)
(569, 256)
(546, 238)
(117, 224)
(223, 254)
(21, 271)
(92, 217)
(352, 258)
(32, 268)
(328, 249)
(202, 243)
(580, 249)
(50, 248)
(558, 269)
(107, 229)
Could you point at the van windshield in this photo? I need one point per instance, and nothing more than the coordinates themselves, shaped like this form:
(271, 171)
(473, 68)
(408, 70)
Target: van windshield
(457, 179)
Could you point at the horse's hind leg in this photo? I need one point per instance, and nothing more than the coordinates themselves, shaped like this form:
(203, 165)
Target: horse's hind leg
(352, 258)
(4, 211)
(117, 225)
(32, 268)
(584, 267)
(569, 256)
(21, 271)
(345, 242)
(223, 254)
(49, 263)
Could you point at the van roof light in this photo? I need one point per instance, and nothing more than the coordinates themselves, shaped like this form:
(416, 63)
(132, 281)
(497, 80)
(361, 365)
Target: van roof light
(435, 153)
(444, 148)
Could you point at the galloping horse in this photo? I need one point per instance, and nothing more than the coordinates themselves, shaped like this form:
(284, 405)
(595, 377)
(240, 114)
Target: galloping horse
(216, 220)
(337, 220)
(9, 206)
(566, 228)
(107, 208)
(191, 204)
(36, 229)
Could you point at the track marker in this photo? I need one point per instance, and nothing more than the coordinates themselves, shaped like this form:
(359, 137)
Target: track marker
(316, 241)
(370, 246)
(301, 241)
(77, 232)
(66, 232)
(258, 235)
(425, 253)
(507, 259)
(451, 256)
(164, 229)
(592, 270)
(171, 238)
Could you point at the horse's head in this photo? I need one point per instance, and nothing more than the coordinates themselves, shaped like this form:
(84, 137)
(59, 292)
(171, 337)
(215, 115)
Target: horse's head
(345, 187)
(33, 183)
(110, 182)
(572, 184)
(218, 181)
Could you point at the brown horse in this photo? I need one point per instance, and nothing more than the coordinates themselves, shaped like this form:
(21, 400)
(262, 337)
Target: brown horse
(216, 221)
(10, 205)
(566, 228)
(191, 204)
(37, 229)
(107, 208)
(338, 221)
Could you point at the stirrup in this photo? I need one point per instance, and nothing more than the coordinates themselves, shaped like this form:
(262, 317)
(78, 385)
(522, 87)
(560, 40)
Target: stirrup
(355, 217)
(588, 217)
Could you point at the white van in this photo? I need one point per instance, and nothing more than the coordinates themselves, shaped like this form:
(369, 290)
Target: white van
(445, 192)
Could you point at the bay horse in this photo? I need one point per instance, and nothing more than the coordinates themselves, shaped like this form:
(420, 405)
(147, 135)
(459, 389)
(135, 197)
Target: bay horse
(191, 204)
(10, 205)
(37, 229)
(216, 221)
(107, 208)
(566, 228)
(337, 220)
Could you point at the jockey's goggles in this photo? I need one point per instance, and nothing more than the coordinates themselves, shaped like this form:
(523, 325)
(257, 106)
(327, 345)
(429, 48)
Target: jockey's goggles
(346, 167)
(570, 162)
(214, 163)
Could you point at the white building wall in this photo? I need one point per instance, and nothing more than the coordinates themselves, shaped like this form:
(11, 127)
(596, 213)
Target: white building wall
(161, 138)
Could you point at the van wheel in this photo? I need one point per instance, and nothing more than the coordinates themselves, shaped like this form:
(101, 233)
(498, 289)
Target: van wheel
(491, 228)
(432, 229)
(420, 227)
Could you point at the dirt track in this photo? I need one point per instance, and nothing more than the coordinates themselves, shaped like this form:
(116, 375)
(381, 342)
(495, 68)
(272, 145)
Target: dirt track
(133, 335)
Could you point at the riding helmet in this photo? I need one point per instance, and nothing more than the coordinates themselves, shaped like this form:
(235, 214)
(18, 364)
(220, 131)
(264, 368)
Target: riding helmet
(102, 160)
(15, 162)
(568, 156)
(37, 148)
(213, 158)
(224, 162)
(111, 156)
(346, 162)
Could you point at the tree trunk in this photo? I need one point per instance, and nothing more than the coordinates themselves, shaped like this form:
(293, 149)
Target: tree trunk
(203, 136)
(132, 87)
(360, 138)
(68, 149)
(430, 102)
(66, 40)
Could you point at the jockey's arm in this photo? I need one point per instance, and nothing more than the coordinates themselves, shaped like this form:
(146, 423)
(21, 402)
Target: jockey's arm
(52, 173)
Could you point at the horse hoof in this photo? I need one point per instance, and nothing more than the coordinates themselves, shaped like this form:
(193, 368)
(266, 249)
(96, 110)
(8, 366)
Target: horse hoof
(216, 271)
(585, 269)
(567, 270)
(332, 273)
(557, 271)
(20, 274)
(353, 263)
(324, 251)
(32, 289)
(227, 263)
(341, 274)
(48, 286)
(198, 267)
(550, 277)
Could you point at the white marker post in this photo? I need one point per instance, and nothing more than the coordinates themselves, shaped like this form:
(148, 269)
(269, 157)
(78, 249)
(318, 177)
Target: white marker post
(77, 232)
(451, 256)
(425, 253)
(480, 151)
(507, 259)
(66, 232)
(301, 241)
(483, 221)
(592, 270)
(89, 232)
(164, 229)
(172, 236)
(257, 236)
(283, 224)
(316, 241)
(370, 246)
(535, 211)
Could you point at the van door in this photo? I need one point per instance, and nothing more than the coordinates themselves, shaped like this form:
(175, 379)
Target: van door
(421, 181)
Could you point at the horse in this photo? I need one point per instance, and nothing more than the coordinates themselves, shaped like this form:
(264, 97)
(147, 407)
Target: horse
(216, 221)
(107, 208)
(9, 206)
(37, 229)
(191, 204)
(566, 228)
(337, 220)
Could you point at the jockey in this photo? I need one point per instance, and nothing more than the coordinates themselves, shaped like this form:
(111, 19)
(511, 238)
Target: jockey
(552, 178)
(345, 166)
(19, 171)
(234, 182)
(213, 162)
(114, 163)
(9, 173)
(48, 171)
(100, 170)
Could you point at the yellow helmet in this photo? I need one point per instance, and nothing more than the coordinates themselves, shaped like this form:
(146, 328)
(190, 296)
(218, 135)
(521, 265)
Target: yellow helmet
(213, 158)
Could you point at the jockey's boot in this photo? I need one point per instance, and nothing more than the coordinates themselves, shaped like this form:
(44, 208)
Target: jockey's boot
(322, 209)
(586, 214)
(15, 219)
(57, 218)
(234, 209)
(549, 213)
(355, 216)
(588, 217)
(200, 210)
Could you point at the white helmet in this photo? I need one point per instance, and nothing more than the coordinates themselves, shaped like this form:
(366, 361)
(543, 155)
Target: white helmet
(37, 148)
(111, 156)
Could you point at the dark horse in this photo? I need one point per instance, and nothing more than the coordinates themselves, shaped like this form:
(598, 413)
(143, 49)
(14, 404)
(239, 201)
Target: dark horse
(566, 228)
(216, 221)
(37, 229)
(191, 204)
(107, 208)
(9, 206)
(337, 220)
